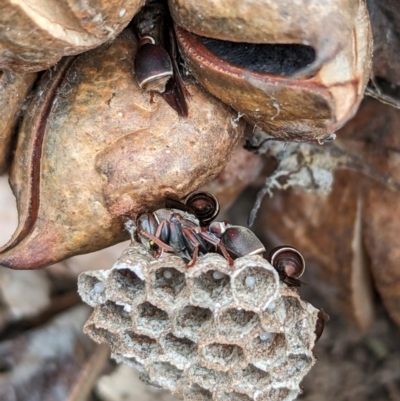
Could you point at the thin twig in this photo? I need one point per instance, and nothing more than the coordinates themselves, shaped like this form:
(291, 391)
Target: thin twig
(90, 373)
(383, 98)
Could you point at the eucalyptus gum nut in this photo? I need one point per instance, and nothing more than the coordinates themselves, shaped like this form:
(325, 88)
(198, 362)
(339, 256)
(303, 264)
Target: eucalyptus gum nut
(304, 105)
(106, 152)
(35, 35)
(13, 90)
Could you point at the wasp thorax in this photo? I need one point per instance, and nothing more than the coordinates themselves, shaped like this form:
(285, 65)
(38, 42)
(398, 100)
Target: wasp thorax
(153, 67)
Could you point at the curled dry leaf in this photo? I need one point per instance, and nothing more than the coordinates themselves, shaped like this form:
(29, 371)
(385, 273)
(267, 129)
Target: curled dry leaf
(327, 230)
(298, 74)
(35, 35)
(13, 89)
(93, 148)
(351, 235)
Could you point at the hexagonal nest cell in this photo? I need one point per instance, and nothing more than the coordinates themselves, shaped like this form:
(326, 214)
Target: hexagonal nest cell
(191, 320)
(166, 285)
(142, 347)
(234, 324)
(210, 291)
(151, 320)
(211, 332)
(222, 357)
(129, 285)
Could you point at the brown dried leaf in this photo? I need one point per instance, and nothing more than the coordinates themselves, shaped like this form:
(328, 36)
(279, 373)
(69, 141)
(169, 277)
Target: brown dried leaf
(92, 148)
(352, 233)
(327, 230)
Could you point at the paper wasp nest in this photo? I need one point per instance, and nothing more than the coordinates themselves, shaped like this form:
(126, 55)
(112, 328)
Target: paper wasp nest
(211, 332)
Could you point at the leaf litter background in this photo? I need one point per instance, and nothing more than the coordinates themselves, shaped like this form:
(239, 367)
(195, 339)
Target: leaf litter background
(44, 355)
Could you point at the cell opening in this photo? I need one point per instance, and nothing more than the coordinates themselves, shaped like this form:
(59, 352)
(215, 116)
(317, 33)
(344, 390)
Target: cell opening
(255, 285)
(167, 374)
(180, 346)
(151, 319)
(90, 282)
(234, 322)
(145, 378)
(210, 378)
(266, 352)
(116, 315)
(252, 377)
(128, 283)
(102, 335)
(223, 357)
(168, 282)
(192, 319)
(206, 286)
(131, 362)
(142, 346)
(198, 393)
(92, 289)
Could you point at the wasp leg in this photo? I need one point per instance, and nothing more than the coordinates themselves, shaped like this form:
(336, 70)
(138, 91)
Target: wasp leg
(194, 243)
(157, 241)
(212, 239)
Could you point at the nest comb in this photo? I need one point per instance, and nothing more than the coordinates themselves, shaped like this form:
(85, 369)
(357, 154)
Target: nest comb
(211, 332)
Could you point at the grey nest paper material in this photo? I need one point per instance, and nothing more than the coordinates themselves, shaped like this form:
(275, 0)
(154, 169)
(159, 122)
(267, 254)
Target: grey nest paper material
(211, 332)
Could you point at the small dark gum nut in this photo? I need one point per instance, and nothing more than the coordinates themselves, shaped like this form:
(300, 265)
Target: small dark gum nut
(205, 206)
(288, 260)
(153, 67)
